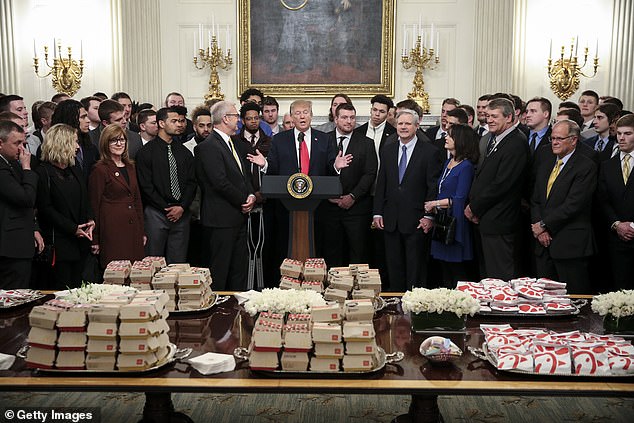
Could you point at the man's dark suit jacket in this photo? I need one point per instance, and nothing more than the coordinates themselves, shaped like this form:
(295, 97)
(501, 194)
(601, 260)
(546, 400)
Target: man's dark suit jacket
(387, 132)
(134, 140)
(431, 134)
(357, 179)
(616, 199)
(567, 210)
(224, 188)
(263, 146)
(402, 205)
(282, 158)
(18, 191)
(606, 154)
(498, 185)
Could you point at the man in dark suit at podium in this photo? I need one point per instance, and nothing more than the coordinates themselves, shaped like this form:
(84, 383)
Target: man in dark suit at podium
(302, 149)
(407, 178)
(227, 198)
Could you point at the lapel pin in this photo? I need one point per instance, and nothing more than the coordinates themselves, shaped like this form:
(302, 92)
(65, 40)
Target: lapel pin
(116, 174)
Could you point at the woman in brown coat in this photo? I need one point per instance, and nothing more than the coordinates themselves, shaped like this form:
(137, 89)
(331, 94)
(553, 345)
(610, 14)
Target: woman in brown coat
(116, 201)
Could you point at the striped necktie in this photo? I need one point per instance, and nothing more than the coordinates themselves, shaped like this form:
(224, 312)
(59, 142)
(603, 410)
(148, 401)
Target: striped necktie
(627, 169)
(176, 190)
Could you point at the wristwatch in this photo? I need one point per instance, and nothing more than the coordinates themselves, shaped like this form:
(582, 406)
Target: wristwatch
(615, 224)
(542, 224)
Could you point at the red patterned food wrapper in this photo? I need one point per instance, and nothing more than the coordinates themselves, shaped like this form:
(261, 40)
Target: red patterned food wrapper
(531, 309)
(504, 308)
(621, 365)
(557, 307)
(531, 291)
(505, 294)
(515, 361)
(487, 328)
(590, 360)
(495, 340)
(552, 359)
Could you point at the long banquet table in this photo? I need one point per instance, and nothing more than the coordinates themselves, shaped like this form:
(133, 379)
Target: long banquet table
(228, 326)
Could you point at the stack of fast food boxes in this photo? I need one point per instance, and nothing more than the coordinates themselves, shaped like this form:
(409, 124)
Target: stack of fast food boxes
(303, 275)
(188, 288)
(332, 338)
(125, 331)
(356, 281)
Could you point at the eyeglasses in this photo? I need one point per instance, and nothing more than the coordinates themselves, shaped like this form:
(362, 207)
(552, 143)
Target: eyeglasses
(120, 140)
(251, 118)
(235, 115)
(559, 139)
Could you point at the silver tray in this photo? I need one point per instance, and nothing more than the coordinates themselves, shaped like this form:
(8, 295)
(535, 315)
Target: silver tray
(37, 296)
(484, 354)
(383, 359)
(213, 301)
(173, 355)
(578, 304)
(380, 303)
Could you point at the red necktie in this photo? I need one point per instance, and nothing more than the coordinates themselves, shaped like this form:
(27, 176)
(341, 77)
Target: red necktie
(303, 154)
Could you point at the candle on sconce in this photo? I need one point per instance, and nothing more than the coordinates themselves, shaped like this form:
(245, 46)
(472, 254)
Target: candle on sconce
(200, 35)
(34, 49)
(209, 35)
(404, 40)
(420, 24)
(577, 46)
(431, 41)
(54, 48)
(228, 39)
(81, 49)
(213, 24)
(550, 55)
(437, 42)
(596, 52)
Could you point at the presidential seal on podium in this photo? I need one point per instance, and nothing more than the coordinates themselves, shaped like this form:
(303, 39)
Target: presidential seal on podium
(299, 185)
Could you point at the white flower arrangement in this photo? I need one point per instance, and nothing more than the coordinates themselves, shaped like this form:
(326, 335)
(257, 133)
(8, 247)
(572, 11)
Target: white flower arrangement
(283, 301)
(91, 293)
(618, 303)
(439, 300)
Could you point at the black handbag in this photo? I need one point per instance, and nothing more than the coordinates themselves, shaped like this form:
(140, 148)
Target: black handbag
(444, 227)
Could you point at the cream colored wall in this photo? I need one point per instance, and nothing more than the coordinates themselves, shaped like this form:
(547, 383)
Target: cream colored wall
(510, 38)
(72, 21)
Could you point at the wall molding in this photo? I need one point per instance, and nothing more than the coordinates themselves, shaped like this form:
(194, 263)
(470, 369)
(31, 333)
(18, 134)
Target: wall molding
(8, 59)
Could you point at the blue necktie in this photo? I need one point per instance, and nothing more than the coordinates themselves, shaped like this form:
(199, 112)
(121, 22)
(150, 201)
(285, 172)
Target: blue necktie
(599, 145)
(402, 164)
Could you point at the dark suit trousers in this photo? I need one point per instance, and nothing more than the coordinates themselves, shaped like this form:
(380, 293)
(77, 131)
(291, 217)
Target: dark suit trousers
(14, 273)
(572, 271)
(229, 257)
(622, 262)
(341, 236)
(499, 256)
(406, 260)
(164, 238)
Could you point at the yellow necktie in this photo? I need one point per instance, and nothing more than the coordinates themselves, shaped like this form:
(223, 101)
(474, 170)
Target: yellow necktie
(553, 176)
(626, 167)
(235, 155)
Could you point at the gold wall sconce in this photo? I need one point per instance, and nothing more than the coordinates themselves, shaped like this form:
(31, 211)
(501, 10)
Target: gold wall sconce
(65, 72)
(421, 56)
(565, 73)
(211, 54)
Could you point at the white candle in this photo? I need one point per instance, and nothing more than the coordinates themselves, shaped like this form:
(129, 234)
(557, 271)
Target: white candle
(213, 24)
(404, 40)
(577, 46)
(596, 53)
(200, 35)
(550, 55)
(431, 42)
(54, 48)
(81, 49)
(34, 49)
(437, 42)
(420, 24)
(209, 35)
(228, 40)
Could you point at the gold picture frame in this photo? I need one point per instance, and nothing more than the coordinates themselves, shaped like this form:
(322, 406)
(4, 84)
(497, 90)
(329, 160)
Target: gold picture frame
(301, 51)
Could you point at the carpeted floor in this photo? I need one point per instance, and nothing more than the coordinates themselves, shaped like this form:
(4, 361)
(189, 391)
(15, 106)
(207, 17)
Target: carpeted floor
(248, 408)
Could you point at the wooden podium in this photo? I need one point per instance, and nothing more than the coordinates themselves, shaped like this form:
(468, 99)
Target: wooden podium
(301, 238)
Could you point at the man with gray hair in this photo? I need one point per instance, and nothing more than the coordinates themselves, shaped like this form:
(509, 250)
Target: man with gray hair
(561, 207)
(224, 178)
(408, 177)
(496, 192)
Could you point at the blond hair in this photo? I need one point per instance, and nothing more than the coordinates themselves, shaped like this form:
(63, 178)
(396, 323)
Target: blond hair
(302, 103)
(61, 145)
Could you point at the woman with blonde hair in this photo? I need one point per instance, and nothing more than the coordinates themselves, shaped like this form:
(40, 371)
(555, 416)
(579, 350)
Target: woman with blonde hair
(64, 212)
(116, 200)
